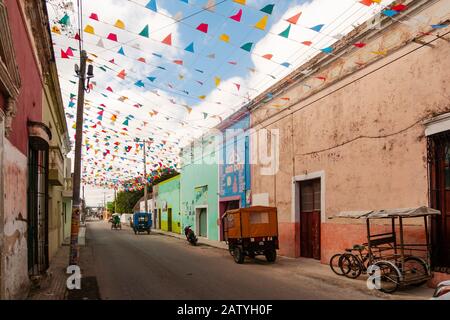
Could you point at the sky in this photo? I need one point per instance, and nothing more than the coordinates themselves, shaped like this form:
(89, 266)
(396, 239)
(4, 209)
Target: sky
(169, 70)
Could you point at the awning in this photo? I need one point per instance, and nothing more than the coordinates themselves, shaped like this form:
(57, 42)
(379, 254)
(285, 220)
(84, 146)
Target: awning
(388, 213)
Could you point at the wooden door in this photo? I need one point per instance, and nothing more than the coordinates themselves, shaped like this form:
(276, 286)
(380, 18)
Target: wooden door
(169, 219)
(440, 198)
(310, 219)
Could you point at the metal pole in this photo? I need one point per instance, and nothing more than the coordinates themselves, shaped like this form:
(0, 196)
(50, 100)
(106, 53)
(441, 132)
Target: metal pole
(115, 201)
(145, 179)
(76, 206)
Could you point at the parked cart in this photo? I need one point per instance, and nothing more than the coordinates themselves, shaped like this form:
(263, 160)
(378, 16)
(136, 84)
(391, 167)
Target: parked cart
(389, 258)
(250, 232)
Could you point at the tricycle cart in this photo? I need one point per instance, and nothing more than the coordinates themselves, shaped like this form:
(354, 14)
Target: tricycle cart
(391, 261)
(250, 232)
(142, 222)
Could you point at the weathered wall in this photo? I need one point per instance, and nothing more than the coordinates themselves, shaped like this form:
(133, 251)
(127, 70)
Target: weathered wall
(364, 131)
(14, 255)
(29, 103)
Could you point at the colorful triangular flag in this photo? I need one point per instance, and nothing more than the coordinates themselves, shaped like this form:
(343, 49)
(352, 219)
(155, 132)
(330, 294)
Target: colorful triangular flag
(261, 24)
(144, 32)
(152, 5)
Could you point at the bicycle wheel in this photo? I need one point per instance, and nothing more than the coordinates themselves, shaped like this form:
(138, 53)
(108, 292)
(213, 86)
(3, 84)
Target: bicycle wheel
(417, 268)
(389, 277)
(350, 265)
(334, 264)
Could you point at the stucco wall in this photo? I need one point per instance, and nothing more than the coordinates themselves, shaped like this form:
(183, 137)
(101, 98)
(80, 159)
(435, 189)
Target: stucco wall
(14, 254)
(198, 175)
(169, 191)
(364, 132)
(29, 103)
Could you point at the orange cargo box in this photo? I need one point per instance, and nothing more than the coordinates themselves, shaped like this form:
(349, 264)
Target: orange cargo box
(252, 222)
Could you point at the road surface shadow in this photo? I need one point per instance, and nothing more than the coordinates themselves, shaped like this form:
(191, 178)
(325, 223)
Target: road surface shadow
(89, 290)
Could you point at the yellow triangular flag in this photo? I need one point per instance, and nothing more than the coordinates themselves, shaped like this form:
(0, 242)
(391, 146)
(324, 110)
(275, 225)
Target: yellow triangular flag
(119, 24)
(224, 37)
(261, 24)
(74, 126)
(55, 29)
(89, 29)
(240, 2)
(217, 81)
(202, 97)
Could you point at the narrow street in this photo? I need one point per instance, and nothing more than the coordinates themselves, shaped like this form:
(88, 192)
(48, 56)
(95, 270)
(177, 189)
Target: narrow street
(156, 266)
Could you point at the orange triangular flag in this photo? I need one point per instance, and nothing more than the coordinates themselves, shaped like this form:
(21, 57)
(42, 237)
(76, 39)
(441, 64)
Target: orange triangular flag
(294, 19)
(168, 40)
(122, 74)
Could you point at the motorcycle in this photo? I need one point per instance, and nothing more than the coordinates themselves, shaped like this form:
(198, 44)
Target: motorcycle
(190, 235)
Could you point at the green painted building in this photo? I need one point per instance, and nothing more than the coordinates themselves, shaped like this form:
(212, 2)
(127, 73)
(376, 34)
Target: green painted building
(168, 204)
(199, 188)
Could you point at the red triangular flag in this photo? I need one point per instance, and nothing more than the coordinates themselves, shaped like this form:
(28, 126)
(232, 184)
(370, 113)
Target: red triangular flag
(203, 27)
(366, 2)
(69, 52)
(168, 40)
(122, 74)
(232, 62)
(359, 44)
(307, 43)
(77, 36)
(238, 86)
(112, 61)
(112, 37)
(141, 60)
(294, 19)
(109, 89)
(237, 16)
(64, 55)
(180, 62)
(93, 16)
(268, 56)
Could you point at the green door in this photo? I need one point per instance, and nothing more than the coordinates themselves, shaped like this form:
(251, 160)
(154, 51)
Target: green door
(203, 218)
(169, 219)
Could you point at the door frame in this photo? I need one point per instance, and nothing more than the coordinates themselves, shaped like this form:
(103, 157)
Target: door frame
(197, 219)
(295, 209)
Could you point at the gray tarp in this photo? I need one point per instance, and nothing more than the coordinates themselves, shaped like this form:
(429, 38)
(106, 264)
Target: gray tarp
(388, 213)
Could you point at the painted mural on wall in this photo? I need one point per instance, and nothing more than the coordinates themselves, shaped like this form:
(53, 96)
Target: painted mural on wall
(201, 195)
(234, 172)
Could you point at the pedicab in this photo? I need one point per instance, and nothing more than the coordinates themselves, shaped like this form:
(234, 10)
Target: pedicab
(142, 222)
(250, 232)
(115, 221)
(391, 261)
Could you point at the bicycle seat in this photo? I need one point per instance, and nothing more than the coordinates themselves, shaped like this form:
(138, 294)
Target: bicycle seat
(357, 247)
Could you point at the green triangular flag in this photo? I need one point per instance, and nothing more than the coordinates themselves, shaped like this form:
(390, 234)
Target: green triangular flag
(144, 32)
(247, 46)
(65, 20)
(268, 9)
(285, 33)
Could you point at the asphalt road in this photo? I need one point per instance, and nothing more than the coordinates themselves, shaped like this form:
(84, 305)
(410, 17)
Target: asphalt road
(156, 266)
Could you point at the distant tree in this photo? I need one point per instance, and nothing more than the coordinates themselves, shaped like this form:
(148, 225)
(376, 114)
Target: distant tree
(110, 206)
(127, 199)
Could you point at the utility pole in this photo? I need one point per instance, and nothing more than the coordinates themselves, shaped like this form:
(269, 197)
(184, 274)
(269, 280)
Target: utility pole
(145, 179)
(76, 204)
(115, 200)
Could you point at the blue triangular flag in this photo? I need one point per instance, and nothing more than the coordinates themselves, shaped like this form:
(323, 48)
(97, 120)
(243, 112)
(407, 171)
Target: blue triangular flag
(190, 47)
(317, 28)
(389, 13)
(139, 83)
(121, 51)
(286, 64)
(327, 49)
(152, 5)
(151, 78)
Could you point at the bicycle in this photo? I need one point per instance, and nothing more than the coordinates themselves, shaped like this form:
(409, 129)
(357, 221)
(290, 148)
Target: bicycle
(349, 264)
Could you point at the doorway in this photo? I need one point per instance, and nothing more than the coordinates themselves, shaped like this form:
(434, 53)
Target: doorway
(310, 218)
(439, 152)
(202, 221)
(159, 218)
(169, 219)
(224, 206)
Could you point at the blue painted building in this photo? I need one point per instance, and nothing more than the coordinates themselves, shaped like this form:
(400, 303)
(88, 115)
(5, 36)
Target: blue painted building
(234, 165)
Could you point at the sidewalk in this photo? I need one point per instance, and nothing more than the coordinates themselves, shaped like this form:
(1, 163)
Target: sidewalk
(303, 267)
(52, 286)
